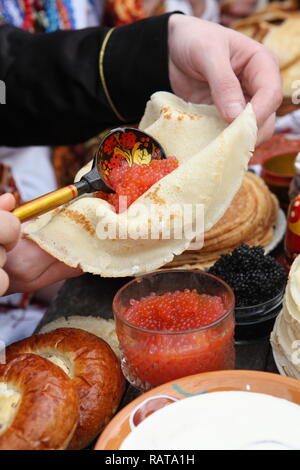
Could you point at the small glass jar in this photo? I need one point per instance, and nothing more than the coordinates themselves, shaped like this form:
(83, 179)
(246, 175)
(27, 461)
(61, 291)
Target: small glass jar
(256, 321)
(150, 357)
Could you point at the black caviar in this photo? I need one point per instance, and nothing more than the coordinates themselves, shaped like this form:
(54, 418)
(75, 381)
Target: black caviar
(253, 276)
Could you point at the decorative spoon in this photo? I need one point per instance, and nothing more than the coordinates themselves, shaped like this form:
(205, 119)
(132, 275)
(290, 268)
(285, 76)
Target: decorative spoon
(120, 146)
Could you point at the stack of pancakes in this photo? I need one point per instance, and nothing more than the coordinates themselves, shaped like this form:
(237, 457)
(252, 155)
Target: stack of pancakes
(250, 219)
(278, 27)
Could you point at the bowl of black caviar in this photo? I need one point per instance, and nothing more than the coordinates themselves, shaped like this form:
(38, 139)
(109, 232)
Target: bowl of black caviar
(258, 282)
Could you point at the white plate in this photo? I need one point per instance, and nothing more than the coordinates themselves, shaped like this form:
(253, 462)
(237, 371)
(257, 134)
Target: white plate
(223, 420)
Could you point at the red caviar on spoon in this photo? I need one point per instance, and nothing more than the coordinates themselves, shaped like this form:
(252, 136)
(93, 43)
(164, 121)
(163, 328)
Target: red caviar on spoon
(133, 181)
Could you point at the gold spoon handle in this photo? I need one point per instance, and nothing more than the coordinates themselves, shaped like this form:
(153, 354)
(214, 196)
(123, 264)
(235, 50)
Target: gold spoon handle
(46, 203)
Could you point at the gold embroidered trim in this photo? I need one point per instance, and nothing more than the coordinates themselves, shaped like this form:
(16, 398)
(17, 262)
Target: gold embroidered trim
(102, 76)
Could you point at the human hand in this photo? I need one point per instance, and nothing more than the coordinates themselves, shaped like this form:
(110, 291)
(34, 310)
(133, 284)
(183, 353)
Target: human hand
(9, 235)
(209, 63)
(30, 268)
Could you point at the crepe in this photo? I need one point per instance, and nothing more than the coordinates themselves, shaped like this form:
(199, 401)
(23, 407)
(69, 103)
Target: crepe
(249, 219)
(212, 157)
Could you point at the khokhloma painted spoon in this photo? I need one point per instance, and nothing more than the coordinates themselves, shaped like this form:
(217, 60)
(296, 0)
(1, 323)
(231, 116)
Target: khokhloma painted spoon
(120, 145)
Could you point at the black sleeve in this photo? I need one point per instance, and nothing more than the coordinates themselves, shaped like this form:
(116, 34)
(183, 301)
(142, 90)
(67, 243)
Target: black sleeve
(55, 94)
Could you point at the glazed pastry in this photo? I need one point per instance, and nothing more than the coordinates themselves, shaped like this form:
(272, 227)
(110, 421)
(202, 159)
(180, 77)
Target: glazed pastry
(94, 371)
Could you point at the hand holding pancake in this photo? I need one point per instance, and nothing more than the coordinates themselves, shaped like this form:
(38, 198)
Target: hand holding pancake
(30, 268)
(26, 267)
(213, 64)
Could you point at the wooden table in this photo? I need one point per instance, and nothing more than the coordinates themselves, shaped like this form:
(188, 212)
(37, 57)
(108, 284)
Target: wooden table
(92, 295)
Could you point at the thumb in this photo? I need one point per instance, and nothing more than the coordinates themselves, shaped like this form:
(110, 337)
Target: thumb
(225, 88)
(7, 202)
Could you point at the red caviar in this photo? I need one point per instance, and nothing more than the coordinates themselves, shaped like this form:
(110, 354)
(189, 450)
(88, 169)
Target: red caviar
(133, 181)
(182, 310)
(167, 341)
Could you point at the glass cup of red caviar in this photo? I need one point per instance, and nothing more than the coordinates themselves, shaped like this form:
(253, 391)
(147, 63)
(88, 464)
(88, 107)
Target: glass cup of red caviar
(150, 358)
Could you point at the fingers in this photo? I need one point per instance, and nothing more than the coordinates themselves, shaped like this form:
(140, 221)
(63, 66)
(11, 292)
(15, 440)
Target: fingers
(4, 282)
(265, 132)
(263, 84)
(241, 68)
(224, 85)
(9, 235)
(3, 256)
(10, 228)
(234, 66)
(31, 268)
(7, 202)
(9, 225)
(204, 55)
(57, 271)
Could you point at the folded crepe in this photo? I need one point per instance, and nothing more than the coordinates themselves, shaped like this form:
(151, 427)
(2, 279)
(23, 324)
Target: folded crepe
(212, 158)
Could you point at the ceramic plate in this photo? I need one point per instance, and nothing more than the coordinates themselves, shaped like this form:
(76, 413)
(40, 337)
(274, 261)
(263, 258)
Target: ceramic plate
(232, 380)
